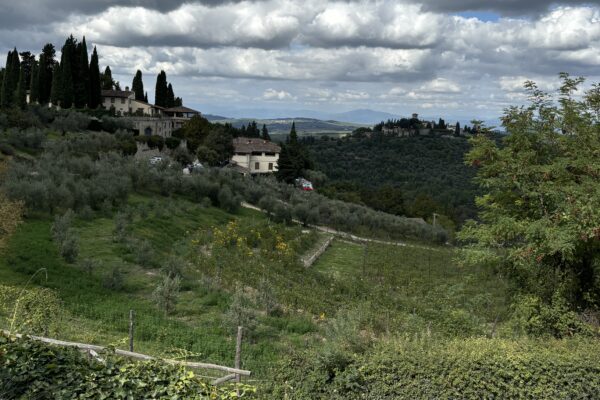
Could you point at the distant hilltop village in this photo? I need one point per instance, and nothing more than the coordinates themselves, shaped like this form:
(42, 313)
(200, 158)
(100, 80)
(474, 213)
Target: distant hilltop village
(406, 127)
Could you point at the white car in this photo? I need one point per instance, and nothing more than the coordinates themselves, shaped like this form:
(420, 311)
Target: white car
(155, 160)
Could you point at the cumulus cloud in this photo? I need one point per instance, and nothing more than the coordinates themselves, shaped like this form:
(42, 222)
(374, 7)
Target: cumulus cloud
(372, 53)
(272, 94)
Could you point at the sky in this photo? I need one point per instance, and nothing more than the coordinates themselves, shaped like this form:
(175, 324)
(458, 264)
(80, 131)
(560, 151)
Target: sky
(457, 59)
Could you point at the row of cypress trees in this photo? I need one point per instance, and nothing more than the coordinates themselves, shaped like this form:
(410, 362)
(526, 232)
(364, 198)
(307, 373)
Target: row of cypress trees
(74, 81)
(163, 94)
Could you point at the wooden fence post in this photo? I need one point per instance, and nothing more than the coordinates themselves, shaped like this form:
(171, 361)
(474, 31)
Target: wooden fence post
(238, 357)
(131, 323)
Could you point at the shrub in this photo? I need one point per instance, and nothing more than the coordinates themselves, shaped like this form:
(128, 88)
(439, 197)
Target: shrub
(144, 253)
(172, 142)
(7, 149)
(227, 200)
(114, 279)
(463, 369)
(173, 267)
(156, 142)
(61, 226)
(166, 293)
(240, 312)
(69, 247)
(35, 370)
(32, 310)
(282, 214)
(89, 265)
(266, 297)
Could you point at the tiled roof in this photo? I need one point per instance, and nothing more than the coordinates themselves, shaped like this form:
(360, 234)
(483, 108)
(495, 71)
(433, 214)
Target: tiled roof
(246, 145)
(116, 93)
(181, 109)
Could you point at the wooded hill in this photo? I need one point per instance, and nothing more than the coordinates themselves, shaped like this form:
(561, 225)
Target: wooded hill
(414, 176)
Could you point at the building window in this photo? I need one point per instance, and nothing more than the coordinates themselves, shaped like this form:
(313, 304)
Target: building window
(256, 165)
(270, 166)
(112, 99)
(122, 100)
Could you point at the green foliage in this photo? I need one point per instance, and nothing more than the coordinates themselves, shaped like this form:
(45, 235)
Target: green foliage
(396, 174)
(30, 369)
(95, 81)
(166, 293)
(468, 369)
(113, 279)
(138, 86)
(31, 310)
(294, 159)
(538, 221)
(241, 312)
(161, 90)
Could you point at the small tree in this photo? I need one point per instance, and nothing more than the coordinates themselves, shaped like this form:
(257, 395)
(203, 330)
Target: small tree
(166, 293)
(539, 220)
(240, 312)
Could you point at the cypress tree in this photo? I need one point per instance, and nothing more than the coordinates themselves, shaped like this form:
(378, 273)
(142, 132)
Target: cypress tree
(20, 94)
(46, 65)
(34, 84)
(265, 133)
(27, 63)
(56, 87)
(95, 88)
(138, 86)
(293, 139)
(160, 91)
(146, 97)
(170, 96)
(10, 79)
(81, 76)
(67, 73)
(5, 93)
(178, 102)
(107, 80)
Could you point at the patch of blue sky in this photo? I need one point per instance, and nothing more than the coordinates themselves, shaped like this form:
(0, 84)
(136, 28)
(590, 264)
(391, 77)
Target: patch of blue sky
(480, 15)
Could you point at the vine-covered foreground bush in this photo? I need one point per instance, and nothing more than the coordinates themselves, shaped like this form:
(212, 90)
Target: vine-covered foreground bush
(34, 370)
(465, 369)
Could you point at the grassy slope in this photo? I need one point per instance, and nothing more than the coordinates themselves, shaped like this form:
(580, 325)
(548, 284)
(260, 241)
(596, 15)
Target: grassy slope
(404, 288)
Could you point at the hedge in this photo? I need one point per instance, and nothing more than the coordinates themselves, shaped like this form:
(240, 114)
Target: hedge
(34, 370)
(462, 369)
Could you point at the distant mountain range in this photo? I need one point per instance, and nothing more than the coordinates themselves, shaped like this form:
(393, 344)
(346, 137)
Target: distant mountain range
(360, 116)
(282, 126)
(311, 121)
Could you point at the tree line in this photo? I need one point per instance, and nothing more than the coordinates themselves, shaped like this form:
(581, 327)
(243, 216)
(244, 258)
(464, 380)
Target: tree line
(74, 81)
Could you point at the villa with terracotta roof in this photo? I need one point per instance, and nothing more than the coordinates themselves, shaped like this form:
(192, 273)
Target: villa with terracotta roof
(148, 119)
(255, 155)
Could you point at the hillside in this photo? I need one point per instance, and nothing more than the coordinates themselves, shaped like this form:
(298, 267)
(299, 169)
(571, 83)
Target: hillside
(428, 171)
(304, 126)
(89, 233)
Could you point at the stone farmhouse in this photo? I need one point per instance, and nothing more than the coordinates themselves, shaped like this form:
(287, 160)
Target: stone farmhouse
(254, 156)
(148, 119)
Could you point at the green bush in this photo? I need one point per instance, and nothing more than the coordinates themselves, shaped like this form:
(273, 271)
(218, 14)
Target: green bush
(463, 369)
(33, 370)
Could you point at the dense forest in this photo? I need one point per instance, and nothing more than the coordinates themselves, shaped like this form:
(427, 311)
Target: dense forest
(415, 176)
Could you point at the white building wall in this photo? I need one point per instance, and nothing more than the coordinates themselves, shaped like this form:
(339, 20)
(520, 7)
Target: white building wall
(122, 105)
(251, 161)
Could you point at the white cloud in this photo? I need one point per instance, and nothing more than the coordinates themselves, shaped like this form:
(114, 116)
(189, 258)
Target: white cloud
(272, 94)
(329, 53)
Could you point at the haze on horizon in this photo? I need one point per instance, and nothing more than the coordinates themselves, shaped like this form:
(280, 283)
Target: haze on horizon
(459, 60)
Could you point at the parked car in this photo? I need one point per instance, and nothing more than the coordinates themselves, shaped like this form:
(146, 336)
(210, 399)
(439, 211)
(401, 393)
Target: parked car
(304, 184)
(155, 160)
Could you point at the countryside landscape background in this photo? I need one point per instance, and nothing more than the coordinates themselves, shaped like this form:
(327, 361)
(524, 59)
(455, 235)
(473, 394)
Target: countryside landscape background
(449, 248)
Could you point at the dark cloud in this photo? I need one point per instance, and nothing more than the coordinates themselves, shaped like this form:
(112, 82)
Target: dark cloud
(504, 7)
